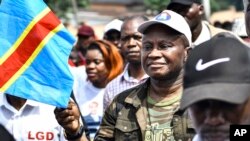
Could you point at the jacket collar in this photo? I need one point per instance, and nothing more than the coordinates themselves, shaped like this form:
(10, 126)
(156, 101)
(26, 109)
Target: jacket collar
(138, 94)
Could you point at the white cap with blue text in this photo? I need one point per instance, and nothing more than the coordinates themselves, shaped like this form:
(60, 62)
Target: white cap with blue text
(172, 20)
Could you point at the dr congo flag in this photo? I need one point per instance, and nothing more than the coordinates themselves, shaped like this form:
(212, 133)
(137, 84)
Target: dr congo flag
(34, 50)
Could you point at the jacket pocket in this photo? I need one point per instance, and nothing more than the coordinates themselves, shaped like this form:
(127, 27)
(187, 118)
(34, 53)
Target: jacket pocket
(127, 131)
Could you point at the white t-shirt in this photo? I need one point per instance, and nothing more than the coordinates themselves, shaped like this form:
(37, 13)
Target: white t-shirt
(79, 74)
(90, 101)
(34, 121)
(89, 98)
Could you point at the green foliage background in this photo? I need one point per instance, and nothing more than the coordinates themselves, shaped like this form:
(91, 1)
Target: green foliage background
(157, 5)
(62, 7)
(216, 5)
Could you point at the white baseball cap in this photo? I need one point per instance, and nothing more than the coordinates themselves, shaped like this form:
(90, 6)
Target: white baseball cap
(114, 24)
(172, 20)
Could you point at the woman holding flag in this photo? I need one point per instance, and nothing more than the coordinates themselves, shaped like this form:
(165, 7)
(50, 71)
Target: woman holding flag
(103, 63)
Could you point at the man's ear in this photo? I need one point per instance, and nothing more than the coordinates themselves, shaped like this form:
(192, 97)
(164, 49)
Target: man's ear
(201, 9)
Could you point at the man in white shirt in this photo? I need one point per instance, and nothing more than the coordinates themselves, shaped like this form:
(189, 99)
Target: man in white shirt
(29, 120)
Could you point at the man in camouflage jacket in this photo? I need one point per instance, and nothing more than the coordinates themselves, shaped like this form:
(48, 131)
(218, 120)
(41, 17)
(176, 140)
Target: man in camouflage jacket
(150, 111)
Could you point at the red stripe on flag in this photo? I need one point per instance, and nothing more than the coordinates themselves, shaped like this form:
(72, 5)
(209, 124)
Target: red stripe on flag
(27, 47)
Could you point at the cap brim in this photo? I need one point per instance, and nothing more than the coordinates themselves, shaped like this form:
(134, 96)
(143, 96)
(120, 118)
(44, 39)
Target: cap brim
(84, 34)
(231, 93)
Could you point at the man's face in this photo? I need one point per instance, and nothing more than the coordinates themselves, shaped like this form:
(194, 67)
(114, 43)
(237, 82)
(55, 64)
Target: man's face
(212, 118)
(192, 13)
(163, 52)
(131, 41)
(247, 16)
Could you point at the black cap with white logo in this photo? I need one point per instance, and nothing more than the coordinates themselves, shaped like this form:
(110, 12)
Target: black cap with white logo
(217, 69)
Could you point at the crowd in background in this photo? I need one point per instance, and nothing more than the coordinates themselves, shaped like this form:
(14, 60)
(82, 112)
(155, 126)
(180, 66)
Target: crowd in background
(124, 35)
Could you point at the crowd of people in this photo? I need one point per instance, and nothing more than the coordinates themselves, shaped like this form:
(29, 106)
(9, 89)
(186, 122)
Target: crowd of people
(173, 77)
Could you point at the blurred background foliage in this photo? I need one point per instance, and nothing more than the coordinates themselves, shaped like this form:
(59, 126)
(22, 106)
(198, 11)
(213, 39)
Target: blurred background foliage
(216, 5)
(61, 7)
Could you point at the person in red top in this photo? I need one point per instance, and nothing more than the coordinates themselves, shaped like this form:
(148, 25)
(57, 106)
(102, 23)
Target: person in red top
(86, 35)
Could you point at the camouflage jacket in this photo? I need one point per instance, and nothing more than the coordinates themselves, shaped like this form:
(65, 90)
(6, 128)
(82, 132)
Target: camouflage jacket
(124, 119)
